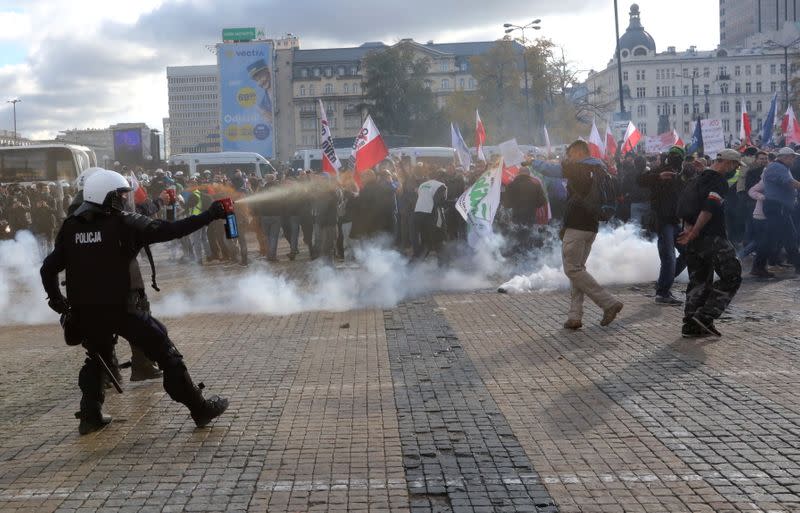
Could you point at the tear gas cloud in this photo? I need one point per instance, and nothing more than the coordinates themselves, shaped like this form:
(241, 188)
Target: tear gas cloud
(379, 278)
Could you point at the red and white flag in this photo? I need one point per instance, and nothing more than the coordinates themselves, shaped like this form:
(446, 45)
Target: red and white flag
(745, 130)
(369, 148)
(596, 146)
(330, 162)
(677, 139)
(611, 144)
(632, 138)
(480, 136)
(547, 144)
(790, 127)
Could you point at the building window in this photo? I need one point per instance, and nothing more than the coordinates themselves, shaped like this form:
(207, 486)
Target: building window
(328, 72)
(737, 71)
(686, 108)
(726, 125)
(758, 87)
(737, 88)
(641, 92)
(658, 91)
(747, 69)
(347, 88)
(773, 86)
(748, 106)
(328, 88)
(759, 106)
(641, 110)
(461, 84)
(723, 88)
(302, 90)
(311, 90)
(353, 70)
(772, 69)
(724, 106)
(444, 66)
(783, 69)
(625, 76)
(674, 109)
(706, 89)
(686, 90)
(316, 72)
(706, 72)
(738, 124)
(758, 69)
(472, 83)
(642, 128)
(445, 84)
(706, 108)
(355, 87)
(696, 108)
(304, 72)
(340, 71)
(747, 87)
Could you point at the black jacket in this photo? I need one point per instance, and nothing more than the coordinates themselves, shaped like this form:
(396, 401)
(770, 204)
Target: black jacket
(664, 194)
(524, 196)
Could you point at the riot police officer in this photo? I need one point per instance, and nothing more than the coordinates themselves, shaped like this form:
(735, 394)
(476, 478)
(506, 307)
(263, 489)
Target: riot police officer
(95, 247)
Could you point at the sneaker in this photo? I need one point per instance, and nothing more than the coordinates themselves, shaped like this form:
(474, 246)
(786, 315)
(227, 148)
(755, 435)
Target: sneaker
(573, 324)
(92, 423)
(761, 273)
(610, 314)
(706, 326)
(692, 331)
(211, 408)
(668, 300)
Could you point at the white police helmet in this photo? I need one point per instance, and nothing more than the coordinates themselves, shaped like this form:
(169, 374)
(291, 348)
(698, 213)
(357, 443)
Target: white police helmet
(105, 187)
(80, 183)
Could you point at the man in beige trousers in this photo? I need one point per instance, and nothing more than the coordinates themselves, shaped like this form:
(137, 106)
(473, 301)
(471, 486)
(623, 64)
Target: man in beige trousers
(581, 222)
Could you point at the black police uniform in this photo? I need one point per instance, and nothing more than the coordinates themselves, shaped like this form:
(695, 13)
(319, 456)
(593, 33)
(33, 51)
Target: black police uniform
(95, 246)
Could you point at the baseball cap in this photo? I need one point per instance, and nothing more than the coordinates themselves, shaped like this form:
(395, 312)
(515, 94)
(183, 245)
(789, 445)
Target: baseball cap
(729, 154)
(786, 151)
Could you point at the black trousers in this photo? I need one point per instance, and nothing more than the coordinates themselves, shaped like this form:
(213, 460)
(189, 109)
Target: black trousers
(99, 327)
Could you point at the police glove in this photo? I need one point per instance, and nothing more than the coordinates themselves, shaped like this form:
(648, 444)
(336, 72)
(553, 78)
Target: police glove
(217, 210)
(59, 305)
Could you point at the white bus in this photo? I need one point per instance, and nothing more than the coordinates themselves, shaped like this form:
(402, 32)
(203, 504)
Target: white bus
(44, 163)
(227, 162)
(438, 156)
(312, 159)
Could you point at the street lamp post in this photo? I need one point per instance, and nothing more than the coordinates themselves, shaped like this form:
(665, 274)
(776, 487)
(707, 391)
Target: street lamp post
(619, 63)
(772, 44)
(534, 25)
(14, 103)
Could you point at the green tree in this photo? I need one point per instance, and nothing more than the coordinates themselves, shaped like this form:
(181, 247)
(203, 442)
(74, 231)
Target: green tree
(400, 100)
(500, 100)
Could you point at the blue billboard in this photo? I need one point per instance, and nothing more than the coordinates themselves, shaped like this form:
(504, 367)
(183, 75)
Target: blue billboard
(246, 97)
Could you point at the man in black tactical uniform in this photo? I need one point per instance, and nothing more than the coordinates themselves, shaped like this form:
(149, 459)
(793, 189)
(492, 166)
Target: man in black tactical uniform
(95, 246)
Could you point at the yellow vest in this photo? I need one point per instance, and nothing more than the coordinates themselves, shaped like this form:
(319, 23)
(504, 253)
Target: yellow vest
(198, 208)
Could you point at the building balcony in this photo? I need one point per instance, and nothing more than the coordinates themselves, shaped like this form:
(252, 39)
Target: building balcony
(308, 113)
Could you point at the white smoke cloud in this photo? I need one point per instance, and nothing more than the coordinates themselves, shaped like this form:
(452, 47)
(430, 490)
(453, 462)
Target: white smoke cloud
(22, 298)
(379, 278)
(619, 256)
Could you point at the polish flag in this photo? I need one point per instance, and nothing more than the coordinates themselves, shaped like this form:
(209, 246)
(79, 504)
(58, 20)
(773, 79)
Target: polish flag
(744, 131)
(632, 138)
(611, 144)
(596, 146)
(790, 127)
(480, 136)
(330, 162)
(677, 139)
(547, 142)
(369, 148)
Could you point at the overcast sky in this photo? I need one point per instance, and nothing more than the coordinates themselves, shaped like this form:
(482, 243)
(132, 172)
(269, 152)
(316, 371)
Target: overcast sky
(91, 63)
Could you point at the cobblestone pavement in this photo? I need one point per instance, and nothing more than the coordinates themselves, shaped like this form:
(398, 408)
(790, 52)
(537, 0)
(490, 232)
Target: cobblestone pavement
(456, 402)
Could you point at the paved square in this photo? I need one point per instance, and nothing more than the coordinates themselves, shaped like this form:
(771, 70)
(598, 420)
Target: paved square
(457, 402)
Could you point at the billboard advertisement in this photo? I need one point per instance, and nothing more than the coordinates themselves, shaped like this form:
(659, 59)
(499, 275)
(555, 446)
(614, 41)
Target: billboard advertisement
(128, 146)
(246, 97)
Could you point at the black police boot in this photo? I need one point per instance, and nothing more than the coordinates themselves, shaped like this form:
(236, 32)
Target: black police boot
(208, 410)
(141, 367)
(92, 418)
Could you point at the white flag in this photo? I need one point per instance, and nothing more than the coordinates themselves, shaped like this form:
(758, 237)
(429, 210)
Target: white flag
(478, 205)
(462, 150)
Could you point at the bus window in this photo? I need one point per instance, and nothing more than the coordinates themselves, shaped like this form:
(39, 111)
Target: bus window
(316, 165)
(230, 169)
(298, 164)
(37, 165)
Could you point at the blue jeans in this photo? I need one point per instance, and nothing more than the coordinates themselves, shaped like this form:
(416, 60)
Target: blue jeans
(638, 211)
(272, 230)
(670, 266)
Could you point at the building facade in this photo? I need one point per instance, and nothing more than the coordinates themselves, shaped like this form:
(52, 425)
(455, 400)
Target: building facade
(335, 75)
(668, 90)
(193, 109)
(743, 19)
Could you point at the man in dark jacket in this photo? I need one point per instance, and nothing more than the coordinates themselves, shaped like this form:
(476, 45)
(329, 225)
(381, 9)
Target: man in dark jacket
(708, 249)
(524, 196)
(666, 184)
(581, 222)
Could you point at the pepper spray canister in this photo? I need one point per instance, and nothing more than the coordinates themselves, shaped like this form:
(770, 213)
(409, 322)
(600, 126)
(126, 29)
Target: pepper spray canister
(231, 227)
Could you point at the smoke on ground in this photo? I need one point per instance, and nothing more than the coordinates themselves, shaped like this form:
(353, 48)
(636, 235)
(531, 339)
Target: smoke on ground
(379, 278)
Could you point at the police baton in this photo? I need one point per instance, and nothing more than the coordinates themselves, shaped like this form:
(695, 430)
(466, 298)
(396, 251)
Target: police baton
(99, 359)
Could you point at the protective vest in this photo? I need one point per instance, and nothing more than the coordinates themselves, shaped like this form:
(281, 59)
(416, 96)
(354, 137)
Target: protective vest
(425, 193)
(97, 262)
(198, 208)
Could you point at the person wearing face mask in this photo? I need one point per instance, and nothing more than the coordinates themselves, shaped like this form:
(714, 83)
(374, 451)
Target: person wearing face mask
(665, 184)
(708, 250)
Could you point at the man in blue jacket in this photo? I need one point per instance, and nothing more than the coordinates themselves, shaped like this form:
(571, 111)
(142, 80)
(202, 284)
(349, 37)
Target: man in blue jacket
(581, 222)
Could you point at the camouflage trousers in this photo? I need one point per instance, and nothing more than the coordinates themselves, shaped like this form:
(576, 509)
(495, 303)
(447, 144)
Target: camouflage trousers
(706, 299)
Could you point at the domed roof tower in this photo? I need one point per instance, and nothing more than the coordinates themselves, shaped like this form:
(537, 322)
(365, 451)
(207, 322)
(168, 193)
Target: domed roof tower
(636, 41)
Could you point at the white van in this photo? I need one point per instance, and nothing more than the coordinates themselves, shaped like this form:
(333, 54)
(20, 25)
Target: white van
(227, 162)
(312, 159)
(437, 156)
